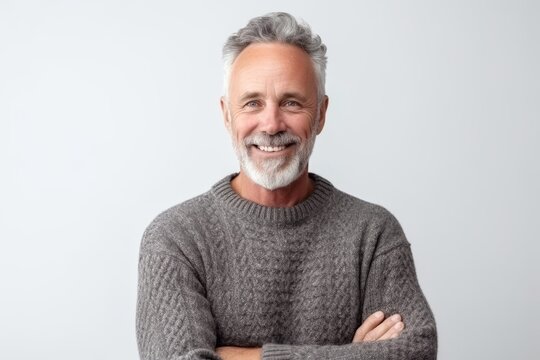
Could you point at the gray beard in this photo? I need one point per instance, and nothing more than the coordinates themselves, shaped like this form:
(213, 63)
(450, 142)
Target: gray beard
(276, 173)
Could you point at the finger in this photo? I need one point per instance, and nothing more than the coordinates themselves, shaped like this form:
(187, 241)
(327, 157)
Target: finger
(380, 330)
(393, 332)
(369, 324)
(222, 350)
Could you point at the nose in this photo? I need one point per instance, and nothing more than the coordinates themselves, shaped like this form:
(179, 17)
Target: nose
(271, 120)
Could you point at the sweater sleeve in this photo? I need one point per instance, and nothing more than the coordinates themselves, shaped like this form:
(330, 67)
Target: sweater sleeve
(174, 320)
(392, 287)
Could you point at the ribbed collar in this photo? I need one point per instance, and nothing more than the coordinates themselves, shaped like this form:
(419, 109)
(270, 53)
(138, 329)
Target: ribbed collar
(322, 192)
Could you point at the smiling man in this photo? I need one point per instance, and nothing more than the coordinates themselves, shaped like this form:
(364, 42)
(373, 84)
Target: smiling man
(274, 113)
(274, 262)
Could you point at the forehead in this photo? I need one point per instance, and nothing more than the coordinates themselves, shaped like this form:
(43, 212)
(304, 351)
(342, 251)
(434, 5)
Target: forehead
(276, 65)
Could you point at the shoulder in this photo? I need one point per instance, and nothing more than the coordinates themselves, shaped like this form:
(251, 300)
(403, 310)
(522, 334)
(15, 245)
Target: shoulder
(353, 206)
(380, 228)
(176, 228)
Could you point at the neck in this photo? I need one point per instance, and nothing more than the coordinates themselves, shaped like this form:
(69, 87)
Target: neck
(284, 197)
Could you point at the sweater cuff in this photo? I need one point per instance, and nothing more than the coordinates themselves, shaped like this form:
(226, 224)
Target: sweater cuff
(276, 352)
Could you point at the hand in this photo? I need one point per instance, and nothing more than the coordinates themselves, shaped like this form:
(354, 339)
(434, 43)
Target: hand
(374, 328)
(239, 353)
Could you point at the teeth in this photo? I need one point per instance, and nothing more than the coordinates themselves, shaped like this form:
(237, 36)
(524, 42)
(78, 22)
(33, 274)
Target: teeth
(271, 148)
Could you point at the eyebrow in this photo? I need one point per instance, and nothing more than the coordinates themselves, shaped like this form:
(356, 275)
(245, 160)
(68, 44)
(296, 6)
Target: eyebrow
(249, 95)
(295, 95)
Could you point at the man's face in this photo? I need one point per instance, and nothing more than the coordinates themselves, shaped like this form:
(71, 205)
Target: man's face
(272, 112)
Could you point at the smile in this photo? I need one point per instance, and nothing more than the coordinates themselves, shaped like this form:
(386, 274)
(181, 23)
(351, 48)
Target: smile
(271, 148)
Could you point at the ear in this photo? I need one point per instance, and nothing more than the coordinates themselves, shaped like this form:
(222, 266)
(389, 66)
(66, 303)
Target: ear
(322, 114)
(225, 112)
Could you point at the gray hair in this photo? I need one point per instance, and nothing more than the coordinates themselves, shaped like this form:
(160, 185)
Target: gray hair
(277, 27)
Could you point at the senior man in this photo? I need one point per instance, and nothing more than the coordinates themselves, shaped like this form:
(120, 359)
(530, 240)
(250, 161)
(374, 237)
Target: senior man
(274, 262)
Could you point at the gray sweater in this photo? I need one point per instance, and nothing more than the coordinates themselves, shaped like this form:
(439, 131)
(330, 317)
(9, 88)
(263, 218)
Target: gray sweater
(219, 270)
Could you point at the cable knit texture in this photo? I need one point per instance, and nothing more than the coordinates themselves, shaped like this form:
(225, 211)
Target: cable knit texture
(219, 270)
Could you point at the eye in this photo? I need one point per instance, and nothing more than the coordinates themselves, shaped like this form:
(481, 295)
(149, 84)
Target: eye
(251, 104)
(291, 103)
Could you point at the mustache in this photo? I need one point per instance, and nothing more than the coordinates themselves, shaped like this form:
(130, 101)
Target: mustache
(264, 139)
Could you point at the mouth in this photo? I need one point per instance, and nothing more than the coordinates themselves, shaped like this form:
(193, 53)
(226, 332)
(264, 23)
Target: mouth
(271, 149)
(266, 145)
(264, 149)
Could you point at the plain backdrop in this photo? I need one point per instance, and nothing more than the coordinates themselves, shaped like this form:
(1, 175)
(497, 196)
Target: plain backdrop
(109, 115)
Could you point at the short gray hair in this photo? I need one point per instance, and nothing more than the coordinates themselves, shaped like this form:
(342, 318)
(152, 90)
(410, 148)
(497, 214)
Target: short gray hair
(277, 27)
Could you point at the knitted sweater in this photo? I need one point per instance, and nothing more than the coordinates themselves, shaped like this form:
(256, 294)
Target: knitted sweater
(220, 270)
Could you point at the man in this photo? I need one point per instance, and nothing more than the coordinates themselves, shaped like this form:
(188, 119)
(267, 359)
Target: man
(274, 262)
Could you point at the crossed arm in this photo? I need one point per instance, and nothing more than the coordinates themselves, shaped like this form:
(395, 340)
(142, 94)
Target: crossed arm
(170, 326)
(174, 318)
(375, 328)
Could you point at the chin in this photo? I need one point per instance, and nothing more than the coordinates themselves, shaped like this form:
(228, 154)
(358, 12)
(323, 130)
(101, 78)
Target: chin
(273, 176)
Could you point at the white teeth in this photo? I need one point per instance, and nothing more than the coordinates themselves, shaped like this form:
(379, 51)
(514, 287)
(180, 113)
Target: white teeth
(271, 148)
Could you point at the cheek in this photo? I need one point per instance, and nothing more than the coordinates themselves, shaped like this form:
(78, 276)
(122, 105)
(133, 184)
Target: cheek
(242, 127)
(238, 134)
(302, 124)
(304, 130)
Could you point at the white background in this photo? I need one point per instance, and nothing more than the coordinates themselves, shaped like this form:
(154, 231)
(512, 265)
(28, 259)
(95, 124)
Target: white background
(109, 114)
